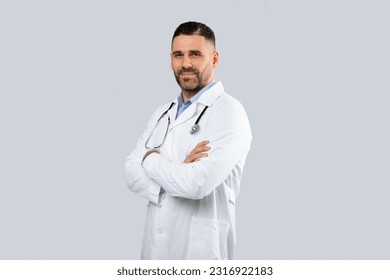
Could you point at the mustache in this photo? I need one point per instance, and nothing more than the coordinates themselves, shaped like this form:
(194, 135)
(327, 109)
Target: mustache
(187, 71)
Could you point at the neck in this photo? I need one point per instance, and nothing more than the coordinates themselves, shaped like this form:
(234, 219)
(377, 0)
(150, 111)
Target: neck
(186, 95)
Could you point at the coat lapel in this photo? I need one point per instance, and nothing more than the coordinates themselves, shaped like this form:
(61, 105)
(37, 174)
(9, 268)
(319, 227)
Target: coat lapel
(173, 111)
(187, 114)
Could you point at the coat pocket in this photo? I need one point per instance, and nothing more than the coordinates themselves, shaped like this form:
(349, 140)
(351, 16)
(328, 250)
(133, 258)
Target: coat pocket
(207, 240)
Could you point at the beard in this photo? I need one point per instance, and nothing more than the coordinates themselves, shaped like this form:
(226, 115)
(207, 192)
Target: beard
(194, 83)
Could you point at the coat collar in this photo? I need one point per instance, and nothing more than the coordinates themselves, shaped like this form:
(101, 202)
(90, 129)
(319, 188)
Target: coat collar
(206, 99)
(212, 94)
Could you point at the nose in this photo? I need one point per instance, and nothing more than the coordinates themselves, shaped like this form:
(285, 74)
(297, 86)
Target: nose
(187, 62)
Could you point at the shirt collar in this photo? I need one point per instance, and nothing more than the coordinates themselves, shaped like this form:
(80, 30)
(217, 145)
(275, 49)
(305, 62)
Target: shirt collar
(196, 96)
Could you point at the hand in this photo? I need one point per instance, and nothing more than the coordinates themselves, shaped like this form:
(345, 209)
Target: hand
(148, 153)
(198, 152)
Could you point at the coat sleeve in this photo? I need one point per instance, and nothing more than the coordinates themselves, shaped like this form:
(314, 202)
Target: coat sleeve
(230, 137)
(137, 179)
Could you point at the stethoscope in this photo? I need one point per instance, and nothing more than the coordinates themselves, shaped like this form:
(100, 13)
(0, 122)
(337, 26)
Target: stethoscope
(196, 125)
(195, 128)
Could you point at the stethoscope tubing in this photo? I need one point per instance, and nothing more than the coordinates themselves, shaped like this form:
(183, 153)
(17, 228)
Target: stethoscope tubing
(193, 130)
(196, 125)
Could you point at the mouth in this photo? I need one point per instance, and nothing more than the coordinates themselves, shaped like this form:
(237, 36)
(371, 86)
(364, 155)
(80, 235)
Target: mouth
(187, 74)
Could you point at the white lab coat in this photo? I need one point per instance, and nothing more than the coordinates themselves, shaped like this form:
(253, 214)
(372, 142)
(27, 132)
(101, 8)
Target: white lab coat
(195, 217)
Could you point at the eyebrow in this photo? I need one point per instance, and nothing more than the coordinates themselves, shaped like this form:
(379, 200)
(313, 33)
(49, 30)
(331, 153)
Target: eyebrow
(177, 52)
(190, 51)
(195, 52)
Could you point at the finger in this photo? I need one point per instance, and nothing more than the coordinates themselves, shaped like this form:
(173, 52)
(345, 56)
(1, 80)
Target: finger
(201, 149)
(195, 157)
(192, 158)
(198, 156)
(203, 143)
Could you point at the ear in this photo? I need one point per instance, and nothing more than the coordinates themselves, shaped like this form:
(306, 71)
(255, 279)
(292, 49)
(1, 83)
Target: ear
(215, 59)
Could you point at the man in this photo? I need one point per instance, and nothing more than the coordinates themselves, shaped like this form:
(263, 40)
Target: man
(189, 161)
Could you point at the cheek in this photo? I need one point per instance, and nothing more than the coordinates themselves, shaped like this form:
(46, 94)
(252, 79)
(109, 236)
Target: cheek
(207, 67)
(202, 66)
(175, 66)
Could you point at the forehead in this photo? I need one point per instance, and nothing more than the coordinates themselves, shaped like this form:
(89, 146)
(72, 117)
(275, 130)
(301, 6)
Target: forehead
(189, 42)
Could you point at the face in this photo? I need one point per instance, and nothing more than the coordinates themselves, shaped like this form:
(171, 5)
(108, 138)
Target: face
(193, 60)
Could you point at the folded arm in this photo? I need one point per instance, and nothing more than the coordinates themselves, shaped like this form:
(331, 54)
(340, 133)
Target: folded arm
(137, 179)
(230, 138)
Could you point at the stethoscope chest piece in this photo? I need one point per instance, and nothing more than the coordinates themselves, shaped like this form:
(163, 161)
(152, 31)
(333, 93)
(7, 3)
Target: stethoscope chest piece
(195, 128)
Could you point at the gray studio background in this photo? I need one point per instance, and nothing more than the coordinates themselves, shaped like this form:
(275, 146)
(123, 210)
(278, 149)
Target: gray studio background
(79, 80)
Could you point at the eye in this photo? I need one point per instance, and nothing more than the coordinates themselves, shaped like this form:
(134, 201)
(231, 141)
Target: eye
(177, 55)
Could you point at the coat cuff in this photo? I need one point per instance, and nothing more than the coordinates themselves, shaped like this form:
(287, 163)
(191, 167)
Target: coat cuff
(155, 195)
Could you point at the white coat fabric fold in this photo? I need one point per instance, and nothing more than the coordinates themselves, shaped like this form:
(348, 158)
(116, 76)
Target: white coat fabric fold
(195, 217)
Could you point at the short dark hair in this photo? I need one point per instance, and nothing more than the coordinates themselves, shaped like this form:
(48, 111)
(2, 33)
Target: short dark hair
(195, 28)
